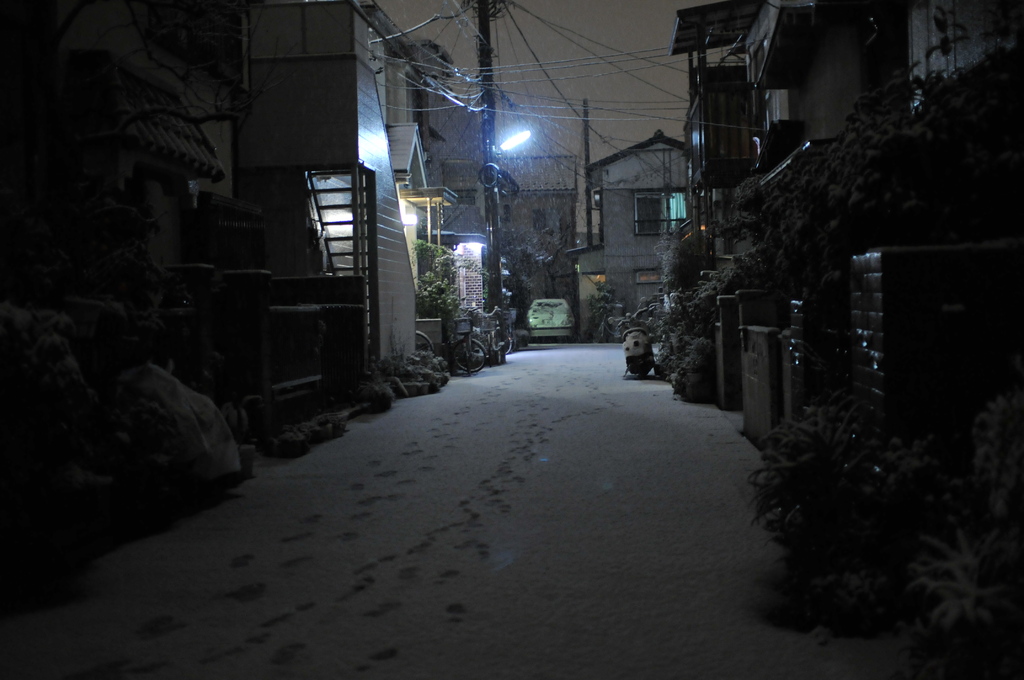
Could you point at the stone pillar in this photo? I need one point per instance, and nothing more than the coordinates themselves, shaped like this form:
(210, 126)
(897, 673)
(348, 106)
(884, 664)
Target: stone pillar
(729, 367)
(762, 393)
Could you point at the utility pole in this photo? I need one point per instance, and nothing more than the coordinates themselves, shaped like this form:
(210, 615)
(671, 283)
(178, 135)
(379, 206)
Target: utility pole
(588, 187)
(489, 174)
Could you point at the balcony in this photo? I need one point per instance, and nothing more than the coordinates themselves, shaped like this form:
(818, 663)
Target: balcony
(722, 128)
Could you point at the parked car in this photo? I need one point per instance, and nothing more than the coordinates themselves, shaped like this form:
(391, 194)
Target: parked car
(550, 318)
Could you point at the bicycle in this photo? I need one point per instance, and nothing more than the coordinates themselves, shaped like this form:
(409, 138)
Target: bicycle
(507, 331)
(646, 316)
(495, 331)
(466, 351)
(613, 327)
(424, 343)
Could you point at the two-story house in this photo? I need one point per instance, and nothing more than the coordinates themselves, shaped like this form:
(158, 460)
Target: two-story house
(767, 77)
(314, 152)
(640, 194)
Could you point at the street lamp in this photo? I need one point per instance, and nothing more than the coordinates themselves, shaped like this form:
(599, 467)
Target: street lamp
(490, 177)
(515, 140)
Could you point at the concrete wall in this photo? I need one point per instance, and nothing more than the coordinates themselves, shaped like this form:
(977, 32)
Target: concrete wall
(934, 330)
(833, 83)
(308, 116)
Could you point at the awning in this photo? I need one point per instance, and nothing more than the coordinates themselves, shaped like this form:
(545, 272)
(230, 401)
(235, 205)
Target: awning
(429, 196)
(407, 154)
(705, 27)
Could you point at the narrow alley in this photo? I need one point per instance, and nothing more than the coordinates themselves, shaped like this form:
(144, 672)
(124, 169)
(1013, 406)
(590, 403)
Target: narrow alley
(545, 519)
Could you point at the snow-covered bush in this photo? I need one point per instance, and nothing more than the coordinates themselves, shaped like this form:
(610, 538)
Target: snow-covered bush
(848, 513)
(81, 247)
(47, 393)
(420, 366)
(46, 439)
(687, 332)
(974, 624)
(877, 534)
(973, 585)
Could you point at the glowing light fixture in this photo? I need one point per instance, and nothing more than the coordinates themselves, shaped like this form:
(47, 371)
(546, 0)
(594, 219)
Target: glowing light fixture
(410, 218)
(515, 140)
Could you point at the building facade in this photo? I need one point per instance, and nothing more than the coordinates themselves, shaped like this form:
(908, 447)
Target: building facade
(314, 152)
(640, 196)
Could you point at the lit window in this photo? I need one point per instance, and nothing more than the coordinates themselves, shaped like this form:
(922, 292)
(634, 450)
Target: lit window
(659, 212)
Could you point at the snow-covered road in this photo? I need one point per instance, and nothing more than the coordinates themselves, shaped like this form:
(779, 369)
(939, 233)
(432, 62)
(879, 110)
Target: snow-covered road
(544, 519)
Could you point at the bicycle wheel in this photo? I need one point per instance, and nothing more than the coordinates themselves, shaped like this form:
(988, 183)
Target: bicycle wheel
(470, 355)
(610, 330)
(508, 342)
(423, 342)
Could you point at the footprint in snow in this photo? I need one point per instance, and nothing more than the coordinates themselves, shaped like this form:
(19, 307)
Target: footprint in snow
(295, 561)
(383, 608)
(248, 593)
(242, 561)
(287, 654)
(158, 627)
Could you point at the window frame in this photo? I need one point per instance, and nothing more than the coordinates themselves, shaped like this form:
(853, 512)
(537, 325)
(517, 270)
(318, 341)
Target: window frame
(665, 223)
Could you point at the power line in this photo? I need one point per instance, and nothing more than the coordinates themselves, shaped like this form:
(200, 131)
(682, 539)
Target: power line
(450, 84)
(530, 47)
(527, 65)
(553, 26)
(500, 71)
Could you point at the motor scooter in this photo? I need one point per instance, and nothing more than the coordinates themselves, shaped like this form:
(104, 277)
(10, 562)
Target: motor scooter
(636, 343)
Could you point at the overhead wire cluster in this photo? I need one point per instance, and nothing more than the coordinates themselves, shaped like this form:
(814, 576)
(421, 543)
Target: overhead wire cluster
(518, 83)
(530, 87)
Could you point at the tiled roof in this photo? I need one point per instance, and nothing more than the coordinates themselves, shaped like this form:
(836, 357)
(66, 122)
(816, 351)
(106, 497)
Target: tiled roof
(104, 98)
(542, 173)
(658, 138)
(460, 174)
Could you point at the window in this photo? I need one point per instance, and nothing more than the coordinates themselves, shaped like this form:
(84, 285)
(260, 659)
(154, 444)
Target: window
(648, 276)
(659, 212)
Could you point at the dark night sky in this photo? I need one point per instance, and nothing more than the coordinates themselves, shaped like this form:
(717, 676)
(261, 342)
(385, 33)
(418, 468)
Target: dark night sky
(613, 52)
